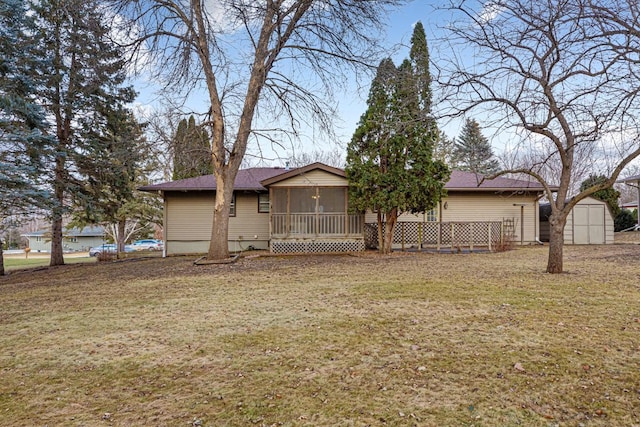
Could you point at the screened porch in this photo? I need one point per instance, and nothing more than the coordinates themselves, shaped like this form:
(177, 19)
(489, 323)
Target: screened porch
(313, 212)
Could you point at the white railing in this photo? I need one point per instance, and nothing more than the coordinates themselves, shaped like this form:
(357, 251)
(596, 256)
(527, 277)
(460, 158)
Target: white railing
(315, 225)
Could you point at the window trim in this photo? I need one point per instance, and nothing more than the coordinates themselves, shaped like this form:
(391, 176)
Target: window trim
(232, 206)
(261, 203)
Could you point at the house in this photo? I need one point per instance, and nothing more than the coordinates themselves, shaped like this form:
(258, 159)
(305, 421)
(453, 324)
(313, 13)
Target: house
(590, 222)
(298, 210)
(307, 210)
(73, 239)
(634, 182)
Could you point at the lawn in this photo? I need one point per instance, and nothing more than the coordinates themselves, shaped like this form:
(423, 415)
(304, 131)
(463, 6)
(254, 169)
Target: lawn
(19, 261)
(402, 340)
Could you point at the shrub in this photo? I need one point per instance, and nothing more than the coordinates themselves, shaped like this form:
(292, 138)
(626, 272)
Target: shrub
(624, 220)
(106, 256)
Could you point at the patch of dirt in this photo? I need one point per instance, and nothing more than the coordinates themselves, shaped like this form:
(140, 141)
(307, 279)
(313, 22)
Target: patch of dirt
(627, 237)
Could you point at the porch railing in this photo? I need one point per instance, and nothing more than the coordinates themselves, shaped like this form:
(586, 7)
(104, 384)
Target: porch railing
(305, 225)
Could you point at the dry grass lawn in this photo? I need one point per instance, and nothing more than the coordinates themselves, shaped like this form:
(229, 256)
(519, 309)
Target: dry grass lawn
(403, 340)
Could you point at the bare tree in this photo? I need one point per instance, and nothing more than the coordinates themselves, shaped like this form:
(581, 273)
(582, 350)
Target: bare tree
(561, 75)
(265, 65)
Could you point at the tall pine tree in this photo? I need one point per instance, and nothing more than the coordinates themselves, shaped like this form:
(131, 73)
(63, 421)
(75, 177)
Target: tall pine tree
(473, 152)
(390, 163)
(191, 150)
(119, 164)
(22, 143)
(86, 74)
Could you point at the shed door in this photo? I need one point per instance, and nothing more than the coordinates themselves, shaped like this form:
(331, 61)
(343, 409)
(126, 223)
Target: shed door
(588, 224)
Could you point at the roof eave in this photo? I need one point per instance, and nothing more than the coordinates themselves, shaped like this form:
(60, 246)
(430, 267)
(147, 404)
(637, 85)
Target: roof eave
(494, 189)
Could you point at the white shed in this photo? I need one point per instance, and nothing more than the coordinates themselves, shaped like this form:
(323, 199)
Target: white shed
(589, 223)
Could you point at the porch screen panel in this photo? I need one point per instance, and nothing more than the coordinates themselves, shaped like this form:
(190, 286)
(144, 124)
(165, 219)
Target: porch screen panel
(279, 202)
(302, 207)
(303, 200)
(332, 200)
(332, 209)
(279, 225)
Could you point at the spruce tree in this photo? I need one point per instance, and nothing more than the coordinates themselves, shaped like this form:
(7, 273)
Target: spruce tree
(191, 150)
(390, 163)
(119, 164)
(473, 151)
(86, 73)
(22, 143)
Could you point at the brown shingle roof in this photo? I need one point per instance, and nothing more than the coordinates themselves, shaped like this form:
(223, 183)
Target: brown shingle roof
(247, 179)
(250, 179)
(469, 181)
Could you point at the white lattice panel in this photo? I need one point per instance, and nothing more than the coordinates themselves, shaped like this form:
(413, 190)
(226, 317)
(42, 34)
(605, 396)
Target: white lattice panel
(316, 246)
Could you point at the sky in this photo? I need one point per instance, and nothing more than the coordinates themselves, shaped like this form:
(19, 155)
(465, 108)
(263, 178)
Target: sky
(352, 104)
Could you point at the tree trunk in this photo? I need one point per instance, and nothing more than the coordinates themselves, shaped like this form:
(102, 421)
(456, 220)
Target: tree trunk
(1, 259)
(392, 219)
(57, 257)
(556, 243)
(120, 235)
(380, 233)
(219, 245)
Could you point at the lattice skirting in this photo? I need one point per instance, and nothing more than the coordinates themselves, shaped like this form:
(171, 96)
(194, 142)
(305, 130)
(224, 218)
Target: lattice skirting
(480, 233)
(316, 246)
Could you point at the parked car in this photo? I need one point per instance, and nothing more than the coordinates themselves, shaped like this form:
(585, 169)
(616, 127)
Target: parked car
(148, 245)
(108, 248)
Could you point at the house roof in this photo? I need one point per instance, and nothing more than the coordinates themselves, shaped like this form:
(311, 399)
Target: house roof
(631, 180)
(89, 231)
(247, 179)
(468, 181)
(303, 170)
(257, 179)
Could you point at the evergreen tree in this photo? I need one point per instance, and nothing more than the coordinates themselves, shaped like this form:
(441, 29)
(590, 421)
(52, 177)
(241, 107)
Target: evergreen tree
(609, 194)
(390, 163)
(473, 151)
(445, 151)
(119, 164)
(86, 73)
(22, 144)
(191, 150)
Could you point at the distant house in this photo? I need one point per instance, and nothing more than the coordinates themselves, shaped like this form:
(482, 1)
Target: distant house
(307, 210)
(73, 239)
(590, 222)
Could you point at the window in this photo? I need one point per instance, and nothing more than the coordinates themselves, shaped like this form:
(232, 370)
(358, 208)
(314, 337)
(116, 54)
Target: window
(263, 203)
(432, 215)
(232, 208)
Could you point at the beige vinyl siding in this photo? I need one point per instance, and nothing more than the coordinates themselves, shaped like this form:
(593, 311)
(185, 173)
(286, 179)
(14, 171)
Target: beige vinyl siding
(248, 224)
(496, 207)
(315, 178)
(188, 220)
(476, 206)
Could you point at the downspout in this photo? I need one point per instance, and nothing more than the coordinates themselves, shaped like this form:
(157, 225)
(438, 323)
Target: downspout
(165, 223)
(536, 220)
